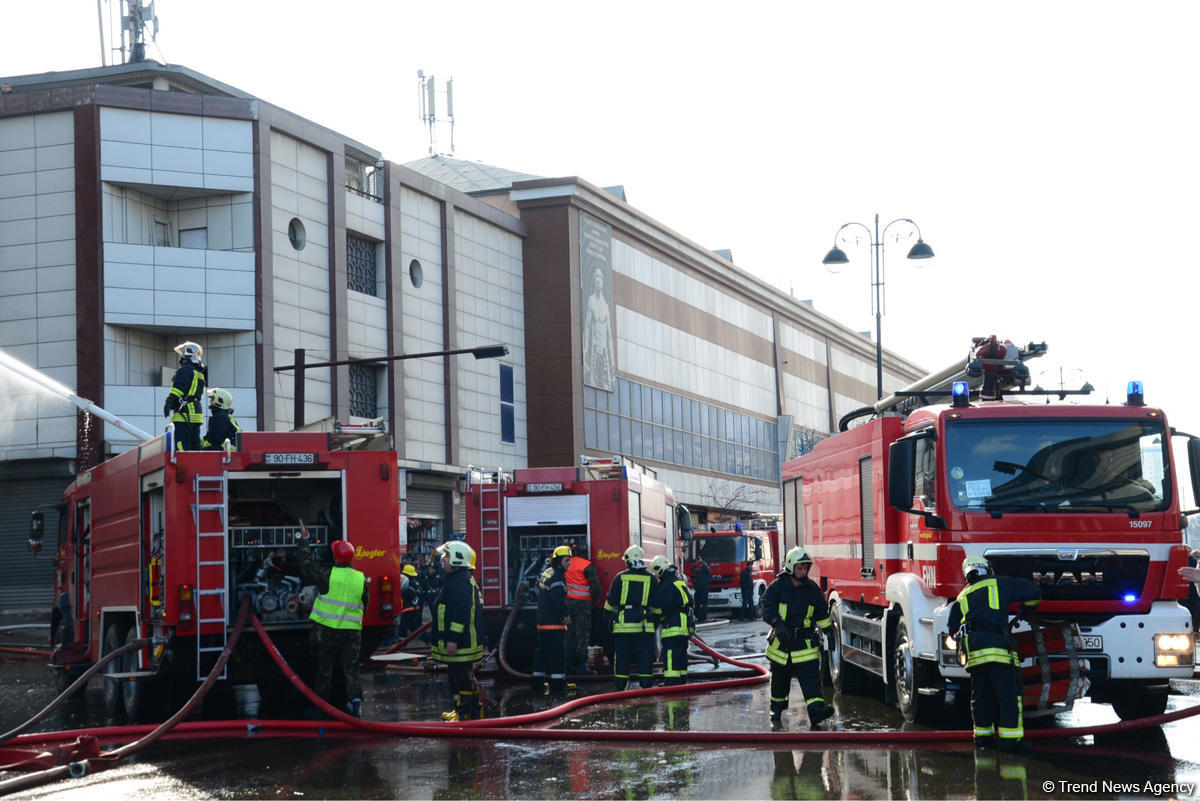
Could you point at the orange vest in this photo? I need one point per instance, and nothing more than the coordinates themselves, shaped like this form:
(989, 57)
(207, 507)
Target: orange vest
(577, 583)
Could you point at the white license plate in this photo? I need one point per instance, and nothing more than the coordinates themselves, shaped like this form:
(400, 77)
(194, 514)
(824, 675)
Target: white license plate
(1091, 642)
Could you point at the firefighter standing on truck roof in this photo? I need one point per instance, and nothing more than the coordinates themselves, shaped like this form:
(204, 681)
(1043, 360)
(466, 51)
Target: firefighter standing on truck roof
(982, 611)
(183, 400)
(552, 619)
(221, 425)
(678, 619)
(337, 615)
(795, 608)
(583, 594)
(631, 599)
(458, 628)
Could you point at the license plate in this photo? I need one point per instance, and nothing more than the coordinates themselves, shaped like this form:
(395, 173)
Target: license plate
(1091, 642)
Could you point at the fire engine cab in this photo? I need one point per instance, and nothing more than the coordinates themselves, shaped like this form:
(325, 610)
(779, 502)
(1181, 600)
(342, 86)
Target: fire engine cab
(726, 550)
(1082, 499)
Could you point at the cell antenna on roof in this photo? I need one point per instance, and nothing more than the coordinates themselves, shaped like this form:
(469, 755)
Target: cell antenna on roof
(135, 18)
(427, 97)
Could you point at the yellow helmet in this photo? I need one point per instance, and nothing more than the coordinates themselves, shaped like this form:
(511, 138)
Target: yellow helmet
(461, 554)
(975, 564)
(634, 556)
(409, 570)
(659, 565)
(220, 398)
(562, 550)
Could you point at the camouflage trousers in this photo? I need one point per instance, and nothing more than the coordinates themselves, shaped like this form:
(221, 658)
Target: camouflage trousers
(579, 635)
(334, 647)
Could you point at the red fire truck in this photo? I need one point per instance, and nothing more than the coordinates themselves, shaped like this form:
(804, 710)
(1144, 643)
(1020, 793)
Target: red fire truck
(726, 551)
(164, 544)
(514, 521)
(1082, 499)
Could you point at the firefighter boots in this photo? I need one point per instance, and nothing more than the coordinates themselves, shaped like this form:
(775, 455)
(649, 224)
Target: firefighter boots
(819, 712)
(986, 741)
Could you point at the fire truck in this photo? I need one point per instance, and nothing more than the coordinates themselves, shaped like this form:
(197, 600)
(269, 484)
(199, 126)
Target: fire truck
(515, 520)
(726, 551)
(1082, 499)
(164, 544)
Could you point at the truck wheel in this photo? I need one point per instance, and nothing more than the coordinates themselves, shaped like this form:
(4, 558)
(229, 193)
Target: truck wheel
(845, 677)
(911, 675)
(1139, 704)
(113, 640)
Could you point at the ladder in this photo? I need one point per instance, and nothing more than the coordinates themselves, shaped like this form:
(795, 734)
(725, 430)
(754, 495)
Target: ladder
(491, 535)
(211, 591)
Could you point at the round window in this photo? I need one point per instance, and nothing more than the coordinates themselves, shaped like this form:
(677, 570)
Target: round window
(415, 274)
(296, 233)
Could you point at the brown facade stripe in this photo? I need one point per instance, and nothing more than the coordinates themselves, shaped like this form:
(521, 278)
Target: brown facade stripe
(89, 282)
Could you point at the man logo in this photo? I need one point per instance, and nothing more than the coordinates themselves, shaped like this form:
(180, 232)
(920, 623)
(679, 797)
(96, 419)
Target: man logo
(1067, 578)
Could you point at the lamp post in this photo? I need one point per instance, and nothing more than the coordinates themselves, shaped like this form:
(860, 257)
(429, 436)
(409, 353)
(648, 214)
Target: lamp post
(837, 256)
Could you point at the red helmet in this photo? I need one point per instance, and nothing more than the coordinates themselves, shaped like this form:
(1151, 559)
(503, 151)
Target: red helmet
(343, 552)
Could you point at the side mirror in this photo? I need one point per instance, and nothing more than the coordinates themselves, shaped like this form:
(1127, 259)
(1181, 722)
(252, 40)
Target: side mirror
(758, 549)
(37, 526)
(1193, 449)
(683, 521)
(901, 466)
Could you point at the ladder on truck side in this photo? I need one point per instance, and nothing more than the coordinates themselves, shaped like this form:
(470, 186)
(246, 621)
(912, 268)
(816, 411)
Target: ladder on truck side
(491, 534)
(211, 591)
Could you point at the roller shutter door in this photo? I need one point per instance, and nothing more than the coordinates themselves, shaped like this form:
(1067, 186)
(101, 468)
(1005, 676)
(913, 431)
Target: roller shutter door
(27, 582)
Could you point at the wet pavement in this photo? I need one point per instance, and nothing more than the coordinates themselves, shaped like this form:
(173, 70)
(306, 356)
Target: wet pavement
(1149, 763)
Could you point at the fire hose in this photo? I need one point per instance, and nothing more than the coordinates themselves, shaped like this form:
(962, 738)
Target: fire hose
(514, 727)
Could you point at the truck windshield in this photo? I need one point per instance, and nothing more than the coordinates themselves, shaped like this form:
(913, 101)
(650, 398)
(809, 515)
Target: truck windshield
(720, 549)
(1057, 465)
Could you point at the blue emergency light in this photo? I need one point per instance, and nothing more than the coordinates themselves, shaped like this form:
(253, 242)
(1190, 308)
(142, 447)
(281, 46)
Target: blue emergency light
(1133, 394)
(960, 393)
(1129, 598)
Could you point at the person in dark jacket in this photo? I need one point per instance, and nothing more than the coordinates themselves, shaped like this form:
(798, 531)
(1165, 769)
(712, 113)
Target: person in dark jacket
(184, 401)
(631, 606)
(795, 608)
(458, 629)
(552, 618)
(337, 614)
(678, 619)
(746, 585)
(410, 606)
(982, 612)
(221, 423)
(701, 579)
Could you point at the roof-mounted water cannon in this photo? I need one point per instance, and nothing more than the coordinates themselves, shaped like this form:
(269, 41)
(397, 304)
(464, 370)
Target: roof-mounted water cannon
(1000, 365)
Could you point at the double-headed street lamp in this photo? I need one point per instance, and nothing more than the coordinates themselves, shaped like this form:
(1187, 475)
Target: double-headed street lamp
(836, 257)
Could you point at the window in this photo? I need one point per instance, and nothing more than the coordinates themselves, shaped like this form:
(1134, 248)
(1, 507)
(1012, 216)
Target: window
(161, 234)
(415, 274)
(360, 265)
(196, 238)
(508, 409)
(364, 400)
(296, 234)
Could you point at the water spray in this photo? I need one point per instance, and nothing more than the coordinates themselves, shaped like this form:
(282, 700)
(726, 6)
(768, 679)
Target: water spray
(49, 384)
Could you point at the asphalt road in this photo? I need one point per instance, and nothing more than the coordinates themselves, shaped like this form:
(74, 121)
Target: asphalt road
(1152, 763)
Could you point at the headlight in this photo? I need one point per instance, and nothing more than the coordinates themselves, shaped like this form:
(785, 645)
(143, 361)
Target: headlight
(1172, 650)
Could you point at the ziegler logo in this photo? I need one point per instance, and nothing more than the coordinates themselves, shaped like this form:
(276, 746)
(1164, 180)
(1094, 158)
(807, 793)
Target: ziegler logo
(602, 554)
(361, 553)
(1067, 578)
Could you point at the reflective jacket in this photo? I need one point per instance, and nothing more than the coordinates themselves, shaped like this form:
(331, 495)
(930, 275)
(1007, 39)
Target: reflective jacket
(552, 599)
(583, 583)
(631, 598)
(341, 606)
(187, 391)
(800, 609)
(982, 611)
(676, 604)
(458, 618)
(221, 427)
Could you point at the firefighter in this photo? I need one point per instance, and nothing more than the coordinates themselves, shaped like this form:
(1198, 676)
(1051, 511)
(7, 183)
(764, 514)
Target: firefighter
(583, 595)
(678, 619)
(630, 604)
(183, 400)
(552, 620)
(458, 628)
(795, 608)
(982, 611)
(746, 586)
(410, 607)
(221, 424)
(337, 615)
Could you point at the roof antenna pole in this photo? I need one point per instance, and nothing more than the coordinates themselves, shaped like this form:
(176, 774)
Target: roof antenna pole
(427, 98)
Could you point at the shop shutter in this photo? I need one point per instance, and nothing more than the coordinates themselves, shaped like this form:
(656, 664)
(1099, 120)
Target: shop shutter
(426, 504)
(27, 582)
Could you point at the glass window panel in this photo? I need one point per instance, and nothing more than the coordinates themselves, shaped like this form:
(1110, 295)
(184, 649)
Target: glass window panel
(668, 446)
(589, 429)
(677, 404)
(623, 388)
(637, 439)
(680, 450)
(697, 450)
(601, 430)
(635, 397)
(506, 383)
(589, 397)
(508, 423)
(614, 433)
(657, 400)
(658, 443)
(626, 437)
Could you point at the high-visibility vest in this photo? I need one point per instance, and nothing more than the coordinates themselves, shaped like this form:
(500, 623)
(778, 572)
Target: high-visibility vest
(341, 607)
(577, 584)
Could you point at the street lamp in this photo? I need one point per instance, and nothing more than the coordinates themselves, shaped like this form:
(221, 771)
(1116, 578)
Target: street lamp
(837, 256)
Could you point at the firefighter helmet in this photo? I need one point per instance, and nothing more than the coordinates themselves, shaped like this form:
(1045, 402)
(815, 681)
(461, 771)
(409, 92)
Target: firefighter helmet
(634, 556)
(973, 565)
(562, 550)
(409, 570)
(659, 565)
(460, 554)
(189, 352)
(343, 552)
(796, 556)
(220, 398)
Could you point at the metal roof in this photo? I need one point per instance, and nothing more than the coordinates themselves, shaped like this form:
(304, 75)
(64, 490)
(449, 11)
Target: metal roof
(472, 177)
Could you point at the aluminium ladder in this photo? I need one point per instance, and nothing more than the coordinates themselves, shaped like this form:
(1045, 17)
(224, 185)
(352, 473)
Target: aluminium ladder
(211, 591)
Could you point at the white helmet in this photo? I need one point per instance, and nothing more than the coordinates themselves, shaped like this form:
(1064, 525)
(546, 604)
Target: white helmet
(461, 554)
(189, 351)
(220, 398)
(973, 565)
(659, 565)
(634, 556)
(796, 556)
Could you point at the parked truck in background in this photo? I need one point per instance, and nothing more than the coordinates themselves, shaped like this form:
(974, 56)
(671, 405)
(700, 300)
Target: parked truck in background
(726, 549)
(1082, 499)
(164, 544)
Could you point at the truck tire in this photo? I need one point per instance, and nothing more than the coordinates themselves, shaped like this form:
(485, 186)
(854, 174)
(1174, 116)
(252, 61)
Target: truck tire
(113, 639)
(1139, 704)
(843, 676)
(910, 675)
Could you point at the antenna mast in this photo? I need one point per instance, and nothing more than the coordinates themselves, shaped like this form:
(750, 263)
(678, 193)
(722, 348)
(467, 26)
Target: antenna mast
(133, 29)
(427, 98)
